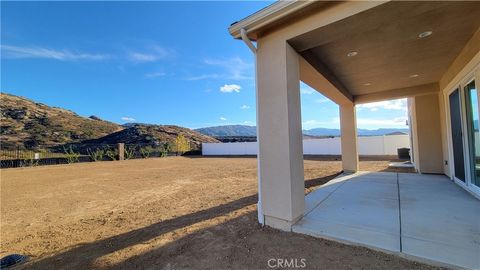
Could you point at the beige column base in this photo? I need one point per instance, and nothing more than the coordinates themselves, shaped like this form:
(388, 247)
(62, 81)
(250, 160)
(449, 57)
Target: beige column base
(281, 224)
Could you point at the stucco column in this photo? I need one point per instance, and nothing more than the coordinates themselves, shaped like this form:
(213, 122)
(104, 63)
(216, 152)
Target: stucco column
(348, 127)
(426, 128)
(280, 134)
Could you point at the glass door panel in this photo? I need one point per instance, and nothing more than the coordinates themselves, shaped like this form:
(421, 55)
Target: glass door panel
(457, 138)
(473, 129)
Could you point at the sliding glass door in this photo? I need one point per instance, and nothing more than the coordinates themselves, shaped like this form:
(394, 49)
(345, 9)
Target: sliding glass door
(457, 136)
(472, 108)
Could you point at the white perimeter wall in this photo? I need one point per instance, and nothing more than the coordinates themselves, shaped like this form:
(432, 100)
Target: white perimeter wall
(371, 145)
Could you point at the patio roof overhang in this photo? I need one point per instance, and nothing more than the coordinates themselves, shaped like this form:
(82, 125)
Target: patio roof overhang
(267, 17)
(398, 48)
(375, 51)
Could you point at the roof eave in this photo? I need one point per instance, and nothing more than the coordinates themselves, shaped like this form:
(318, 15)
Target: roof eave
(266, 16)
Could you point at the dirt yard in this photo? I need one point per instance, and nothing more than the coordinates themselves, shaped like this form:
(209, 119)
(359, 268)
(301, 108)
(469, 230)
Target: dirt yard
(170, 213)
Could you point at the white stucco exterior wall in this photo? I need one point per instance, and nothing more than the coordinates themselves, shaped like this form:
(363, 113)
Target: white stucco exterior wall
(367, 146)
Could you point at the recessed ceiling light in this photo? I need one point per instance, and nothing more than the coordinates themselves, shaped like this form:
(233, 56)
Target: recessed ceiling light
(414, 76)
(352, 53)
(425, 34)
(367, 84)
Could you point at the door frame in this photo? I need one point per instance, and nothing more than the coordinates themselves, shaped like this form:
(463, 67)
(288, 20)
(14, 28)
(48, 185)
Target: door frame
(473, 75)
(450, 135)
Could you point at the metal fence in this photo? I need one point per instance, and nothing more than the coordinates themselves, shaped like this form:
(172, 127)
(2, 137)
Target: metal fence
(73, 153)
(27, 154)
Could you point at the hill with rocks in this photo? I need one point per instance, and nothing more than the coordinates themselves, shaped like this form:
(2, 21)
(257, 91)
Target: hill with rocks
(30, 125)
(146, 134)
(27, 124)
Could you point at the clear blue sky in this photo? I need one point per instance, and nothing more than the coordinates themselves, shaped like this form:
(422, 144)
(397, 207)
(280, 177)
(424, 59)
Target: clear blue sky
(149, 62)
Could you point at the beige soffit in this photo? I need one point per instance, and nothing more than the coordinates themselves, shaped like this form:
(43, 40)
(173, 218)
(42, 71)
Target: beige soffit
(267, 16)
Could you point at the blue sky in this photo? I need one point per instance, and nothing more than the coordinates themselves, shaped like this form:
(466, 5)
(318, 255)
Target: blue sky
(149, 62)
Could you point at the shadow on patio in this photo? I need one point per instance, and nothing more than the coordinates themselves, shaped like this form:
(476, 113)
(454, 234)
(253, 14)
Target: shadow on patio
(422, 216)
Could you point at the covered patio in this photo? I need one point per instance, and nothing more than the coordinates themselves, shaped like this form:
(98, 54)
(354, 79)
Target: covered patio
(409, 214)
(356, 52)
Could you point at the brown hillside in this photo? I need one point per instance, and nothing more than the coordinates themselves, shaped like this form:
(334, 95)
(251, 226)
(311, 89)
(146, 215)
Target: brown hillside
(153, 135)
(31, 125)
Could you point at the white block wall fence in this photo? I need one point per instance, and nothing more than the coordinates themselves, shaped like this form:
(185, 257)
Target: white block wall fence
(367, 146)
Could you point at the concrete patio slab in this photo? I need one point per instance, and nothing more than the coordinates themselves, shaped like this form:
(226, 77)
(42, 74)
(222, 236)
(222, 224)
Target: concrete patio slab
(315, 198)
(440, 221)
(427, 217)
(355, 212)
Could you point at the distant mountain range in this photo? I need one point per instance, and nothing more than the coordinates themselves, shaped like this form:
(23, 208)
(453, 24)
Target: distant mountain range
(360, 131)
(242, 130)
(228, 131)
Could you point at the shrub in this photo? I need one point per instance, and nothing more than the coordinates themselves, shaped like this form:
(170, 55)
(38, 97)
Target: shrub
(71, 155)
(112, 154)
(145, 152)
(166, 147)
(181, 144)
(96, 154)
(129, 152)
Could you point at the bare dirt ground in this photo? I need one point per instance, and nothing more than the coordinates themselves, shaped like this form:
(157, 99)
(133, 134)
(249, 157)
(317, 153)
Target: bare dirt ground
(170, 213)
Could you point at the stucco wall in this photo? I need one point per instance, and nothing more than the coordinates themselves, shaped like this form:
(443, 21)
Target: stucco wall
(372, 145)
(428, 138)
